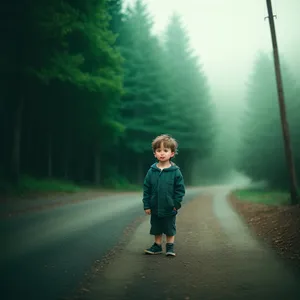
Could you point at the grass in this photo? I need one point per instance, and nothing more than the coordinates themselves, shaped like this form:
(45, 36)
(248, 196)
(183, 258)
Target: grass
(28, 185)
(48, 185)
(269, 197)
(120, 184)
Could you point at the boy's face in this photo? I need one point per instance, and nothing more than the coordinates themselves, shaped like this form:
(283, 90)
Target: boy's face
(163, 154)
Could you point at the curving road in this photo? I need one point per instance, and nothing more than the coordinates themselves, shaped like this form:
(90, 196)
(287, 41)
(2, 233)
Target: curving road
(219, 258)
(46, 253)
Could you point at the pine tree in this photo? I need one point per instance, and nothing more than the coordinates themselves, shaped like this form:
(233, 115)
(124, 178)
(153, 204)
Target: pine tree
(69, 77)
(191, 113)
(143, 104)
(262, 154)
(116, 16)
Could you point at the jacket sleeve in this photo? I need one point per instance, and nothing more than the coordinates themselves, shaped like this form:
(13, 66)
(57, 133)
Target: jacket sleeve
(147, 191)
(179, 189)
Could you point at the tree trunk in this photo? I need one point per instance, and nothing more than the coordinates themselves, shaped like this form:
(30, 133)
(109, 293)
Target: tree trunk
(140, 177)
(50, 155)
(27, 145)
(67, 153)
(97, 168)
(16, 147)
(82, 169)
(66, 165)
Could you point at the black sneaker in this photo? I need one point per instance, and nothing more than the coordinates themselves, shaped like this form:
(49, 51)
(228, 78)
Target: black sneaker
(154, 249)
(170, 250)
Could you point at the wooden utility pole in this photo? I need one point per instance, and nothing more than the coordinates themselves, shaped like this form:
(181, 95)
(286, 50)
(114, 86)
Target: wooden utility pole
(284, 122)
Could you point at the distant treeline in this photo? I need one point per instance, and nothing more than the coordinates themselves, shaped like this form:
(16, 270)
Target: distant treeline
(261, 150)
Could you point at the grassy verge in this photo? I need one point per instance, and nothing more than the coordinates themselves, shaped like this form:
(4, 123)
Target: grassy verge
(28, 185)
(35, 186)
(262, 196)
(120, 184)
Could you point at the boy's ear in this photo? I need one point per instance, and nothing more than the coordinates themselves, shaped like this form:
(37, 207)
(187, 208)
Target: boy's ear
(172, 154)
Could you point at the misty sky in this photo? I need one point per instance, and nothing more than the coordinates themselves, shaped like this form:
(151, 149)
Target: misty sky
(226, 34)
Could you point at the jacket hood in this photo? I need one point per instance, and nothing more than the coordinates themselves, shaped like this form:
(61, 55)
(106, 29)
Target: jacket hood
(173, 167)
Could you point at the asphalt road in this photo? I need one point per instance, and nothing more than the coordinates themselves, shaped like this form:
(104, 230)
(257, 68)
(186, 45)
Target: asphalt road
(218, 258)
(46, 253)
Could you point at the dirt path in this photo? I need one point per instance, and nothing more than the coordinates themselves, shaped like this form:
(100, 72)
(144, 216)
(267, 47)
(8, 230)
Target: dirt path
(277, 226)
(217, 258)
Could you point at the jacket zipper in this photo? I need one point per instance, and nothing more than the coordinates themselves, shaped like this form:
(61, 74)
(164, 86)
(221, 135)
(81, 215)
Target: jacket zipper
(158, 192)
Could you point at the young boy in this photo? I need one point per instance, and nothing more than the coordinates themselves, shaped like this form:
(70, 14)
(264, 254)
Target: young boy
(163, 193)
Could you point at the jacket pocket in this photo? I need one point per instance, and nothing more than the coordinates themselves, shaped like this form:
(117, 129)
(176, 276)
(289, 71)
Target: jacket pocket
(170, 202)
(152, 201)
(170, 193)
(170, 187)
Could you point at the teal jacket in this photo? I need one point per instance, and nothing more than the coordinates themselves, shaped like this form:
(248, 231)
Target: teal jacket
(163, 190)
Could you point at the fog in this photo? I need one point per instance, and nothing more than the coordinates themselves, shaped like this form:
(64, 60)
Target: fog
(227, 35)
(218, 101)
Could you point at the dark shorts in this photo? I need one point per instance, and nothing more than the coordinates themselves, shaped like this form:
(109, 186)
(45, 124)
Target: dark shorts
(166, 225)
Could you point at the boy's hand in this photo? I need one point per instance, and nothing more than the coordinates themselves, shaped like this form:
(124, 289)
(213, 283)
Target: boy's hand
(174, 208)
(148, 211)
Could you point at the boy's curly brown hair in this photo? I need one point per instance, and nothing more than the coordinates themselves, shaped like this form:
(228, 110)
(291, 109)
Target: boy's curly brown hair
(167, 141)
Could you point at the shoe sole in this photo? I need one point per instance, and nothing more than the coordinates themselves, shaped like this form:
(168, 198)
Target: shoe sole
(152, 253)
(170, 254)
